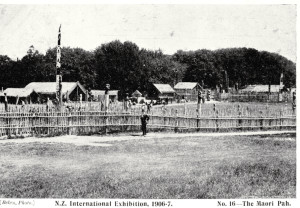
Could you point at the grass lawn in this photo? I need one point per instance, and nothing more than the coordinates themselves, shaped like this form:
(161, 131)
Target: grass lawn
(183, 167)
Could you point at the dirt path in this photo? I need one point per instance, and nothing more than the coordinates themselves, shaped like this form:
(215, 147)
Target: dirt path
(96, 140)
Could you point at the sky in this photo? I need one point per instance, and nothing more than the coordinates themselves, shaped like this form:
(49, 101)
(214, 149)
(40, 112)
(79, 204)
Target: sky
(153, 26)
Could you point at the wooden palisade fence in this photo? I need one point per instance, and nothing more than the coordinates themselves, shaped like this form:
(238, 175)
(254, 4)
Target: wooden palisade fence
(84, 120)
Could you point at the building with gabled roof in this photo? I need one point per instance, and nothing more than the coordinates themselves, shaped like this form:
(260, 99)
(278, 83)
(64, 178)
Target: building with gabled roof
(187, 90)
(17, 95)
(164, 88)
(136, 94)
(260, 89)
(162, 92)
(99, 95)
(70, 90)
(186, 85)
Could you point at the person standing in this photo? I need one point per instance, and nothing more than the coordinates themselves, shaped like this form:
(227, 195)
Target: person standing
(143, 107)
(5, 103)
(144, 120)
(149, 105)
(294, 102)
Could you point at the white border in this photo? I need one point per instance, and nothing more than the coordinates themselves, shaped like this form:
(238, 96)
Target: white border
(182, 202)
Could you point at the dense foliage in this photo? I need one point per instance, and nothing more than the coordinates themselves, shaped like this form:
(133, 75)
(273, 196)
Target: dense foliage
(127, 67)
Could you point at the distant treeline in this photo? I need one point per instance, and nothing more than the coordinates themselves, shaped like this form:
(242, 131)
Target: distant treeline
(126, 67)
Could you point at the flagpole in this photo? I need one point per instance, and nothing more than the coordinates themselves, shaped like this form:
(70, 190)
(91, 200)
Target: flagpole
(58, 70)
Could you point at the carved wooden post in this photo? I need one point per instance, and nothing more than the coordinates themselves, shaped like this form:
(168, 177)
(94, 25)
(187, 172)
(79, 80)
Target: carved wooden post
(214, 110)
(239, 116)
(70, 123)
(7, 116)
(107, 88)
(199, 102)
(67, 96)
(217, 120)
(184, 113)
(280, 119)
(86, 95)
(261, 120)
(198, 117)
(80, 100)
(176, 121)
(5, 102)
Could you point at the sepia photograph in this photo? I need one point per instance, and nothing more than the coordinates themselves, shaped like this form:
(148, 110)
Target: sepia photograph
(138, 104)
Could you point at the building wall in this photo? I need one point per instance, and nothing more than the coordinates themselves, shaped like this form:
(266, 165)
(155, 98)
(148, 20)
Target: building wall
(75, 94)
(255, 97)
(32, 98)
(189, 94)
(99, 98)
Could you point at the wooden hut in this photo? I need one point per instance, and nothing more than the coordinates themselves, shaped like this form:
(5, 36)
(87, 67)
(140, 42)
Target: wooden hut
(98, 95)
(136, 94)
(70, 90)
(261, 93)
(187, 90)
(162, 93)
(261, 89)
(17, 95)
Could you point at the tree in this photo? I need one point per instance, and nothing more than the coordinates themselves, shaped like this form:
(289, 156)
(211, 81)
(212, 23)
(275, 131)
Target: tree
(127, 67)
(243, 65)
(76, 65)
(6, 65)
(119, 65)
(31, 67)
